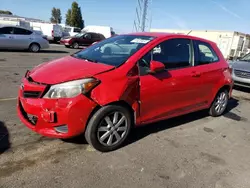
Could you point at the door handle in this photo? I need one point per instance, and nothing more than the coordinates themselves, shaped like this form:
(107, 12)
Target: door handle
(196, 74)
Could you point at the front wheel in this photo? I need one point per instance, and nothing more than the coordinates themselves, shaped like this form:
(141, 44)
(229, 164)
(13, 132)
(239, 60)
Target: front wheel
(108, 128)
(75, 45)
(220, 104)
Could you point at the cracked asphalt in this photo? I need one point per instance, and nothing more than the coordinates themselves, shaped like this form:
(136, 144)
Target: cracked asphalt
(192, 151)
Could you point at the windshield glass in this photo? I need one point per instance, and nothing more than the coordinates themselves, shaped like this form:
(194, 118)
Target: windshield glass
(115, 50)
(79, 35)
(246, 58)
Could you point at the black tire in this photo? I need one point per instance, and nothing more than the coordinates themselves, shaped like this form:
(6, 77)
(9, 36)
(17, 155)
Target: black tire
(34, 47)
(75, 45)
(92, 134)
(212, 111)
(67, 46)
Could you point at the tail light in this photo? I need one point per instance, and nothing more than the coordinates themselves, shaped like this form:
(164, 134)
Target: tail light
(52, 33)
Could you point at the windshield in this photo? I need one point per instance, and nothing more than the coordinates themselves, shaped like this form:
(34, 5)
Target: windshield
(79, 35)
(246, 58)
(115, 50)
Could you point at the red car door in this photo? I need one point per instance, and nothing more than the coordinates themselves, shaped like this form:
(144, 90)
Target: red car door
(86, 39)
(207, 64)
(172, 92)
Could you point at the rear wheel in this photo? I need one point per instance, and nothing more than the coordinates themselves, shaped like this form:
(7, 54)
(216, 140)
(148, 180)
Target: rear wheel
(108, 128)
(75, 45)
(34, 47)
(220, 103)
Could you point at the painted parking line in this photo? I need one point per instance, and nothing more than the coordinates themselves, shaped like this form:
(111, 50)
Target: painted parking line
(8, 99)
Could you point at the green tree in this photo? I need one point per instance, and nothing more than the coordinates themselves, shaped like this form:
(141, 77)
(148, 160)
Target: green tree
(76, 16)
(68, 18)
(5, 12)
(56, 16)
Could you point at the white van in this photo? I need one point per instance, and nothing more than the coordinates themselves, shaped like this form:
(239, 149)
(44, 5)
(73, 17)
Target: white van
(53, 32)
(105, 30)
(70, 31)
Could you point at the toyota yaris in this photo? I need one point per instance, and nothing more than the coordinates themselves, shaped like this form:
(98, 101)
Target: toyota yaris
(123, 82)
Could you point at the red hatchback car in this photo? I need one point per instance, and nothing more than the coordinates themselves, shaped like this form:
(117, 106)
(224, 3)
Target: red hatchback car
(124, 81)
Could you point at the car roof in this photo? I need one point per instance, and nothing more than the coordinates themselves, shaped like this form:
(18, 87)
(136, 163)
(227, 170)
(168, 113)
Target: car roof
(164, 35)
(1, 26)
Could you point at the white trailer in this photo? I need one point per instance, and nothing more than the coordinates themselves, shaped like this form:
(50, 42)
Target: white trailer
(105, 30)
(54, 32)
(231, 43)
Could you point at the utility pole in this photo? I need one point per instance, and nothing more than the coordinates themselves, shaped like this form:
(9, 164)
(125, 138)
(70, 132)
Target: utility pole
(144, 15)
(142, 20)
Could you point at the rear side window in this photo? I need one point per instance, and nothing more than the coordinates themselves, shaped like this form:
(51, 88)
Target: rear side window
(205, 54)
(6, 30)
(20, 31)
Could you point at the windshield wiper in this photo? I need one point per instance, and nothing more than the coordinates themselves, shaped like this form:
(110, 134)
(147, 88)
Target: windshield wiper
(88, 59)
(85, 58)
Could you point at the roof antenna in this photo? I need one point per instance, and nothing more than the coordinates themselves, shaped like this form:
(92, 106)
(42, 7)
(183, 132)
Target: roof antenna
(189, 32)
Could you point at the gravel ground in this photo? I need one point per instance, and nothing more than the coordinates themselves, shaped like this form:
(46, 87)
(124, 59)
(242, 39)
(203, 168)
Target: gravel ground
(192, 151)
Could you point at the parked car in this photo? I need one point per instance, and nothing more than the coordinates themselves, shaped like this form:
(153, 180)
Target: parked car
(106, 31)
(13, 37)
(82, 39)
(71, 31)
(121, 82)
(241, 71)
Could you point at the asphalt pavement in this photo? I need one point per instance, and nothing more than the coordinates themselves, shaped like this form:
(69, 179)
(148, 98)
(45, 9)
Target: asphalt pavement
(192, 151)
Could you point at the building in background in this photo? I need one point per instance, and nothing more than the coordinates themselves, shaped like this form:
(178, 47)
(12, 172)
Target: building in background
(232, 44)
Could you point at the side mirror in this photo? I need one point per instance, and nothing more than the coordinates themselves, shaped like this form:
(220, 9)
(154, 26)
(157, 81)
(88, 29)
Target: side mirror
(156, 66)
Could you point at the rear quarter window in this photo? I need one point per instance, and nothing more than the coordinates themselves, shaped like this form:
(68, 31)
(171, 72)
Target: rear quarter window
(205, 54)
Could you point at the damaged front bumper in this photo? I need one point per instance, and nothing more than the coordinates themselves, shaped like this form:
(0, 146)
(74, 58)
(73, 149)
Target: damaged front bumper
(58, 118)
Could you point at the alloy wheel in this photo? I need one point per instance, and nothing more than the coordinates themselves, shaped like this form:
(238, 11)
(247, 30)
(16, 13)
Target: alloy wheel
(112, 129)
(35, 48)
(221, 103)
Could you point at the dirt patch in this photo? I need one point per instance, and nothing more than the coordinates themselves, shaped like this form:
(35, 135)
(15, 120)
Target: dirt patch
(213, 159)
(209, 130)
(10, 167)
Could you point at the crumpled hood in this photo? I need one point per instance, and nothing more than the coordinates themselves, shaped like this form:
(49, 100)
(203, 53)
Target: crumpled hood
(66, 69)
(240, 65)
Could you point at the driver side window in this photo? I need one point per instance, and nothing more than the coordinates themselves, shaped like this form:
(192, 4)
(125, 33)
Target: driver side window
(173, 53)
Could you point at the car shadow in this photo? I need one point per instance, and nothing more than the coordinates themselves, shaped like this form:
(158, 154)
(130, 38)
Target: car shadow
(54, 51)
(144, 131)
(4, 138)
(242, 89)
(42, 51)
(139, 133)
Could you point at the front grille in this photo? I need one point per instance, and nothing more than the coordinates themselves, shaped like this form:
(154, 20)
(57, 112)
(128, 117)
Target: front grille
(242, 74)
(31, 94)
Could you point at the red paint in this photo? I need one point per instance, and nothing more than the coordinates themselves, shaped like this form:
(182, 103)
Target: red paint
(66, 69)
(153, 97)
